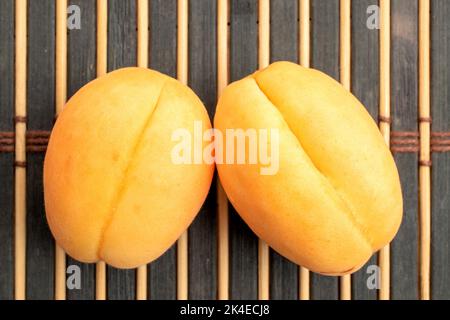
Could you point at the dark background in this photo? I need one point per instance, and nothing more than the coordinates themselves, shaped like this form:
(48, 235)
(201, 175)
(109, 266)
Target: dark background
(122, 42)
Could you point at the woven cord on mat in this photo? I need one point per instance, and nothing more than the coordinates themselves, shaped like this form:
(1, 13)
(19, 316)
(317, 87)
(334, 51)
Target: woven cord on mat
(401, 141)
(36, 141)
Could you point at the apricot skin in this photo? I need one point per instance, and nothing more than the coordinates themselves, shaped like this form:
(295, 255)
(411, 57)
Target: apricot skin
(336, 198)
(112, 191)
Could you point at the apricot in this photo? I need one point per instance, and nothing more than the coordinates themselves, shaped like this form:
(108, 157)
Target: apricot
(336, 197)
(112, 191)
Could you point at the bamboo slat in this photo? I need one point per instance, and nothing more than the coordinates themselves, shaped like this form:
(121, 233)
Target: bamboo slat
(142, 61)
(304, 14)
(345, 74)
(20, 147)
(384, 255)
(61, 96)
(182, 74)
(263, 61)
(142, 33)
(222, 201)
(425, 163)
(102, 57)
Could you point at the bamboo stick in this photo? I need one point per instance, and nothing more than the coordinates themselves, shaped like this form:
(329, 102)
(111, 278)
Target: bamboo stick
(102, 37)
(20, 148)
(345, 43)
(304, 14)
(264, 33)
(222, 201)
(142, 60)
(263, 61)
(102, 58)
(425, 161)
(142, 33)
(385, 27)
(345, 75)
(61, 96)
(182, 74)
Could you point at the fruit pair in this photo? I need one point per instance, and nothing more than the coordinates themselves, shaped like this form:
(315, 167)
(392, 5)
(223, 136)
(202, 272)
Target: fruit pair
(114, 193)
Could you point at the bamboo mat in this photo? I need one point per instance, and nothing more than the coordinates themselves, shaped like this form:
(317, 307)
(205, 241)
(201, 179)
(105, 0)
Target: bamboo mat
(399, 71)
